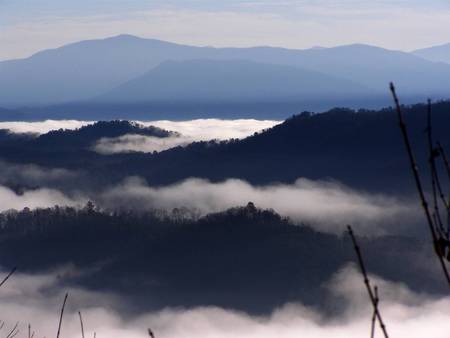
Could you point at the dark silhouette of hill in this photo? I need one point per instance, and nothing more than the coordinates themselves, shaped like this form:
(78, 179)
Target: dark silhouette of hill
(361, 149)
(85, 136)
(231, 81)
(87, 69)
(244, 258)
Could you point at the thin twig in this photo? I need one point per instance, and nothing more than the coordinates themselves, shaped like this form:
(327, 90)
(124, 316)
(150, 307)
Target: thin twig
(447, 167)
(7, 276)
(12, 331)
(81, 323)
(61, 315)
(415, 171)
(14, 334)
(374, 316)
(434, 152)
(373, 297)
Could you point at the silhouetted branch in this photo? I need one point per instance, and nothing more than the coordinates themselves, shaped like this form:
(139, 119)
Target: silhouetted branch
(61, 315)
(13, 332)
(435, 183)
(415, 171)
(150, 333)
(374, 316)
(7, 277)
(373, 295)
(81, 323)
(444, 156)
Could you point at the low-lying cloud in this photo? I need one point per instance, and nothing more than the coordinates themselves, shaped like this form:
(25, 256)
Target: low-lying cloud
(327, 206)
(36, 198)
(139, 143)
(188, 132)
(36, 299)
(210, 129)
(42, 127)
(31, 174)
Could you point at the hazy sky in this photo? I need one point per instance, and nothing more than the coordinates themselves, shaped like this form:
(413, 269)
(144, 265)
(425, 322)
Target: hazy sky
(27, 26)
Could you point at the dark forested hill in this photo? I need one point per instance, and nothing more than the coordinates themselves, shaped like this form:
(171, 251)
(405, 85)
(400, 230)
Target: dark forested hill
(244, 258)
(362, 149)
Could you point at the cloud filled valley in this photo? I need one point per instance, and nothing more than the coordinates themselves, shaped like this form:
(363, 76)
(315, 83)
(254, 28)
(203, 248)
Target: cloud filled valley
(36, 299)
(171, 241)
(325, 205)
(154, 185)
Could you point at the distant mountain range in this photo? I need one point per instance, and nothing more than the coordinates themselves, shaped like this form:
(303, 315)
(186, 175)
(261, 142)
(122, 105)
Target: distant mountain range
(230, 80)
(157, 74)
(437, 53)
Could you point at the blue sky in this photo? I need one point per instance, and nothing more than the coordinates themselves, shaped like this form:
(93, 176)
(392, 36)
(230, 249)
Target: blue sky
(27, 26)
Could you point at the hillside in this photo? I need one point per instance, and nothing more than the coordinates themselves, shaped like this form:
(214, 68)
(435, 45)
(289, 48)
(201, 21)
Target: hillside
(361, 149)
(226, 259)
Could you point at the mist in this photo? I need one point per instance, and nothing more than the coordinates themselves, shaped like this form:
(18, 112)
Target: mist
(42, 127)
(32, 174)
(326, 205)
(37, 299)
(139, 143)
(36, 198)
(188, 132)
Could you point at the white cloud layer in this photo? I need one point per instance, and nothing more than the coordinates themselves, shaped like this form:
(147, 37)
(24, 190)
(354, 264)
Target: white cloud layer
(38, 198)
(31, 174)
(132, 143)
(42, 127)
(189, 131)
(327, 206)
(36, 299)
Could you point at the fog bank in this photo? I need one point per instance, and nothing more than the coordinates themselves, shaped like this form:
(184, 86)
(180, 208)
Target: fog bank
(36, 299)
(327, 206)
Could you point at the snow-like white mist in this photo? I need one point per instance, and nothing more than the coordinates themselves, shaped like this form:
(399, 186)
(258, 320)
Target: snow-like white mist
(327, 206)
(36, 299)
(188, 132)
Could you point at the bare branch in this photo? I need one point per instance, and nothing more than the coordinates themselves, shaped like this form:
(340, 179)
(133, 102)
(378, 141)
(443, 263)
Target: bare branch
(374, 316)
(81, 323)
(13, 332)
(61, 315)
(415, 171)
(372, 295)
(7, 276)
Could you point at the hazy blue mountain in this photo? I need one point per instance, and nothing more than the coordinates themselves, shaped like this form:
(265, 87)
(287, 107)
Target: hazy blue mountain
(231, 80)
(89, 68)
(83, 69)
(371, 66)
(439, 53)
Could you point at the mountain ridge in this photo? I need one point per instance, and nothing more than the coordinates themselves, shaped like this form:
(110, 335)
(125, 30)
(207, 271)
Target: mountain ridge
(86, 69)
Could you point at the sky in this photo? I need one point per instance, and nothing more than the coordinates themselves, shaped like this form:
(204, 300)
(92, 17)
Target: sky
(27, 26)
